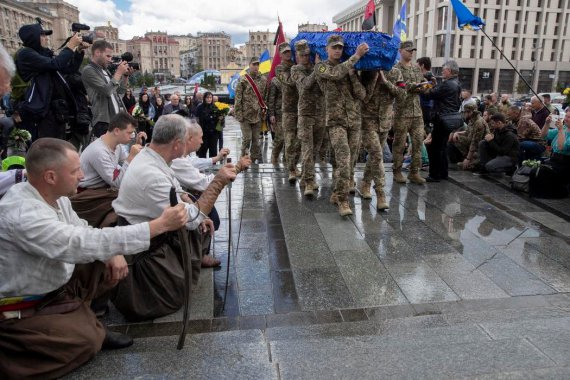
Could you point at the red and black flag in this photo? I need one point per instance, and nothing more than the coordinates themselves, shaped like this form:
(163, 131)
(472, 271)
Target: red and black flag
(369, 16)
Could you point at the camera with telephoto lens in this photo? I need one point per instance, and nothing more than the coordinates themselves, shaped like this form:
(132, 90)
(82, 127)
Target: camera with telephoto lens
(78, 28)
(127, 57)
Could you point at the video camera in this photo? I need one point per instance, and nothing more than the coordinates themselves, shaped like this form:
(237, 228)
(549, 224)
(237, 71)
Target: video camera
(127, 57)
(78, 28)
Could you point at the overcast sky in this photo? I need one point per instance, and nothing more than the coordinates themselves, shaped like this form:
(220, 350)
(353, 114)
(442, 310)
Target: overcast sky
(235, 17)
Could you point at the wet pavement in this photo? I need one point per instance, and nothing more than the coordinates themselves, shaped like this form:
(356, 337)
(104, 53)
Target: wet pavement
(459, 278)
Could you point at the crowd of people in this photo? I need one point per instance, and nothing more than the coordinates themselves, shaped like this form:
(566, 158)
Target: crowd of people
(90, 218)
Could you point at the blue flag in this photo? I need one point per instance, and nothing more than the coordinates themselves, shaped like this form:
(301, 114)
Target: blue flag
(232, 85)
(465, 18)
(400, 31)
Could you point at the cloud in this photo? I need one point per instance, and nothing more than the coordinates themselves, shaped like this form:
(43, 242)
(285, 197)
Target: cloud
(235, 17)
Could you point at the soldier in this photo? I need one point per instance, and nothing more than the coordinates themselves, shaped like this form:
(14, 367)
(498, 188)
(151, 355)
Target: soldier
(289, 109)
(274, 109)
(341, 89)
(382, 88)
(466, 143)
(311, 126)
(250, 108)
(408, 117)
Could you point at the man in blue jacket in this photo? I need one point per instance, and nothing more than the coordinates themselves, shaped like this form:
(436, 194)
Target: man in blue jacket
(48, 103)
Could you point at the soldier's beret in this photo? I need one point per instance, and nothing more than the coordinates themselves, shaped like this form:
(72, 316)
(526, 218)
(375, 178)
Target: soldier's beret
(302, 47)
(470, 107)
(254, 60)
(335, 40)
(283, 47)
(407, 45)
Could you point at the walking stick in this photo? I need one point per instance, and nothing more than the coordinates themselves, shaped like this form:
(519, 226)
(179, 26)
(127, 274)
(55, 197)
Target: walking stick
(186, 264)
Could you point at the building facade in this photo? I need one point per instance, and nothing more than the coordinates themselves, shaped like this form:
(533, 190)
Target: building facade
(56, 15)
(156, 53)
(213, 50)
(533, 34)
(312, 27)
(258, 43)
(111, 34)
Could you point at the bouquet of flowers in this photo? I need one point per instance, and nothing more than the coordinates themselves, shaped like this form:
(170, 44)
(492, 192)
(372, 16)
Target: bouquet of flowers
(138, 114)
(567, 93)
(221, 110)
(18, 140)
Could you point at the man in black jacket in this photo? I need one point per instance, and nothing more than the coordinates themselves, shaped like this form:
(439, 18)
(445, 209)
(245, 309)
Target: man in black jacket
(49, 102)
(446, 96)
(499, 151)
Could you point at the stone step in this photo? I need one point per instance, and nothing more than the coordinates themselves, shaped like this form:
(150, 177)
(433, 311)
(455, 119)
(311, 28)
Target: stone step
(223, 355)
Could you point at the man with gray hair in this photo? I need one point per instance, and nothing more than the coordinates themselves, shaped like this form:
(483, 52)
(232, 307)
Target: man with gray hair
(447, 101)
(145, 191)
(7, 70)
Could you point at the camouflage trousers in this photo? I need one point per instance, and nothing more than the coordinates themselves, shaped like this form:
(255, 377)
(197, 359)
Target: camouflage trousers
(250, 142)
(325, 147)
(311, 130)
(344, 143)
(292, 144)
(279, 140)
(373, 140)
(415, 127)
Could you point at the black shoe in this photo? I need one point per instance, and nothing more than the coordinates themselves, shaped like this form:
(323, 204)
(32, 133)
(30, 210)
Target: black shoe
(431, 179)
(114, 340)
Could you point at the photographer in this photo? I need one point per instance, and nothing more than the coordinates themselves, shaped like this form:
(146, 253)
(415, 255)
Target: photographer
(103, 88)
(48, 102)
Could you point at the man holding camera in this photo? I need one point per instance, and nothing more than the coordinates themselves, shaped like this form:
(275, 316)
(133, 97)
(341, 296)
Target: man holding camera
(49, 102)
(104, 90)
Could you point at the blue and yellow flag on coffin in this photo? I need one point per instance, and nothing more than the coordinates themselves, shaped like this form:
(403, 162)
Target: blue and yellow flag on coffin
(400, 29)
(232, 85)
(466, 19)
(264, 64)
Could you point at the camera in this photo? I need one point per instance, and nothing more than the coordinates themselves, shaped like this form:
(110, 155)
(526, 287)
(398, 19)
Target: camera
(78, 28)
(127, 57)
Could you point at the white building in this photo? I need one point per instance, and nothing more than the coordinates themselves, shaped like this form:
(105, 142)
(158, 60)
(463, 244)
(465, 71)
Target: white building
(533, 34)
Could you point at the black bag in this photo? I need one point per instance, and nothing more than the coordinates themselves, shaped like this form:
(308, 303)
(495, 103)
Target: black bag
(545, 182)
(520, 180)
(36, 103)
(451, 121)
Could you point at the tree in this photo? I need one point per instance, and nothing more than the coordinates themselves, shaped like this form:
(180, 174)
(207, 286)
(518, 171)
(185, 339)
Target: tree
(209, 82)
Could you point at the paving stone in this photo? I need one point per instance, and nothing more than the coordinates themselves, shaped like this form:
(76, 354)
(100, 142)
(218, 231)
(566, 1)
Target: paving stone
(340, 234)
(322, 289)
(524, 328)
(307, 247)
(256, 302)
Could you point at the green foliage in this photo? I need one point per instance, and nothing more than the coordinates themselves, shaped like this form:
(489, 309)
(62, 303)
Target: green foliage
(522, 88)
(148, 79)
(209, 82)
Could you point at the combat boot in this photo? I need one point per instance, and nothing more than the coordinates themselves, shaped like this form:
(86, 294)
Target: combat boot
(416, 178)
(344, 208)
(399, 177)
(309, 189)
(292, 176)
(334, 198)
(365, 190)
(381, 200)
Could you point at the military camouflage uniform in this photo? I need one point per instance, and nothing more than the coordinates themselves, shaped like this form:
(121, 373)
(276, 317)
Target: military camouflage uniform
(311, 126)
(408, 118)
(476, 130)
(377, 117)
(289, 109)
(342, 91)
(274, 109)
(249, 114)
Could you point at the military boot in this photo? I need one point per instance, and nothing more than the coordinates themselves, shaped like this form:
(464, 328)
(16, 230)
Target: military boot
(381, 200)
(292, 176)
(399, 177)
(365, 190)
(309, 189)
(344, 208)
(416, 178)
(334, 198)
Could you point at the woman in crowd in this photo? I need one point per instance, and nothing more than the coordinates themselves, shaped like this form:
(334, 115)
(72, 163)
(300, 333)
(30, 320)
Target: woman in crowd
(554, 183)
(188, 104)
(146, 117)
(159, 107)
(129, 100)
(207, 119)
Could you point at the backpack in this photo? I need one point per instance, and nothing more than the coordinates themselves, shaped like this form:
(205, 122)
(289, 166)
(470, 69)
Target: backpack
(520, 181)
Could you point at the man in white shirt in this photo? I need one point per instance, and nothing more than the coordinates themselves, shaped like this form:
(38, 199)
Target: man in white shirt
(46, 326)
(192, 179)
(154, 287)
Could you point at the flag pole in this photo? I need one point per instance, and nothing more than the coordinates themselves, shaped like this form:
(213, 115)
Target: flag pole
(510, 63)
(448, 34)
